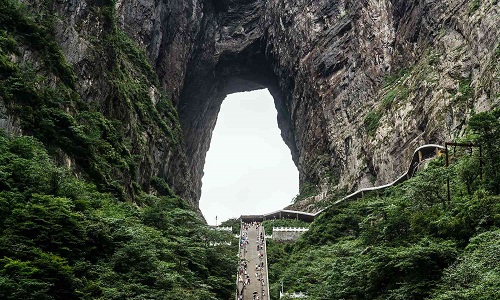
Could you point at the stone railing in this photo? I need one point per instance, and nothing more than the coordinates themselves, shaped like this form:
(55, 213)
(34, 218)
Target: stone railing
(287, 234)
(290, 229)
(223, 228)
(267, 295)
(296, 295)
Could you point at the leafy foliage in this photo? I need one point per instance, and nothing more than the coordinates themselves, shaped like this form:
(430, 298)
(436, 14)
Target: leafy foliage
(408, 242)
(473, 6)
(234, 223)
(465, 91)
(306, 190)
(371, 122)
(62, 239)
(42, 92)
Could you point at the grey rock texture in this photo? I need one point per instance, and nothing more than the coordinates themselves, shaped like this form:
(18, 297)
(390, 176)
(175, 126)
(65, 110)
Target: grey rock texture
(328, 65)
(419, 68)
(83, 30)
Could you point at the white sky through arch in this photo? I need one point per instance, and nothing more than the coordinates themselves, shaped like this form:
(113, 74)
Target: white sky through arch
(248, 169)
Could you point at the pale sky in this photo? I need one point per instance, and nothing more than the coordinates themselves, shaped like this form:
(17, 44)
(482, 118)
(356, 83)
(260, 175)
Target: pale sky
(248, 169)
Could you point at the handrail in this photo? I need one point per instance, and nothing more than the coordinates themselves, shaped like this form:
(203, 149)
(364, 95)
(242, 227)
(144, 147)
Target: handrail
(239, 261)
(405, 176)
(267, 267)
(417, 156)
(416, 159)
(290, 229)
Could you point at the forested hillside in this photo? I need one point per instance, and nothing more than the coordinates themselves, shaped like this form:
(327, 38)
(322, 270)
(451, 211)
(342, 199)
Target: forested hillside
(409, 242)
(60, 238)
(82, 215)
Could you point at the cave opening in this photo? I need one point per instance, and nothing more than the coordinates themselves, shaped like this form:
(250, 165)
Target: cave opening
(248, 168)
(209, 81)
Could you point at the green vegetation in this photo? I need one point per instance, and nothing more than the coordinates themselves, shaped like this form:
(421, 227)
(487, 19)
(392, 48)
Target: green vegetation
(307, 190)
(394, 88)
(36, 34)
(396, 77)
(408, 242)
(397, 92)
(131, 77)
(235, 224)
(473, 6)
(42, 93)
(60, 238)
(67, 236)
(332, 177)
(465, 91)
(372, 121)
(388, 99)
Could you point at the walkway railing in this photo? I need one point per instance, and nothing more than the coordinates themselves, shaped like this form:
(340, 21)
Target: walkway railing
(239, 256)
(290, 229)
(420, 154)
(266, 266)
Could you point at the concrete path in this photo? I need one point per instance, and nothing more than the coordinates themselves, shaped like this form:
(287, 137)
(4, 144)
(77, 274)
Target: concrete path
(252, 237)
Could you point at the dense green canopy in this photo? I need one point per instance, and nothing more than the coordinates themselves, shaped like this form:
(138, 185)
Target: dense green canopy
(408, 242)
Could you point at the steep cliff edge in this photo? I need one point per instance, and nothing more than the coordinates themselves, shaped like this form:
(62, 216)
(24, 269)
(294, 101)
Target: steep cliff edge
(357, 84)
(74, 79)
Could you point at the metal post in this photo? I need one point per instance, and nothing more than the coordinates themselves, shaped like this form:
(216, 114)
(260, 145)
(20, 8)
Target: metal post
(448, 175)
(480, 162)
(281, 289)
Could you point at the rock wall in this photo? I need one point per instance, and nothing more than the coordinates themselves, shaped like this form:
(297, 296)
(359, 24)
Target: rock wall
(136, 146)
(358, 84)
(287, 234)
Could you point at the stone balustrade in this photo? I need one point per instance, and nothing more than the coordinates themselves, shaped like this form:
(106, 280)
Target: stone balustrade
(291, 229)
(223, 228)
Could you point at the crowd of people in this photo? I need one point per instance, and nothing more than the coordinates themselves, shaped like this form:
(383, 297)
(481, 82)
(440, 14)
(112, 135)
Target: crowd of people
(244, 277)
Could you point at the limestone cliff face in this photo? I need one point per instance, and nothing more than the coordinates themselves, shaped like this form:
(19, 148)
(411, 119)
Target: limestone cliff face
(358, 84)
(115, 124)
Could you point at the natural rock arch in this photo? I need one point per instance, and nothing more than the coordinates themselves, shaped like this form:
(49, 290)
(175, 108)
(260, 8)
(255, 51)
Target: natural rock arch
(324, 63)
(230, 57)
(202, 98)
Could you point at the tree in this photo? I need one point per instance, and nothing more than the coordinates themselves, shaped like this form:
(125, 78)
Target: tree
(486, 126)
